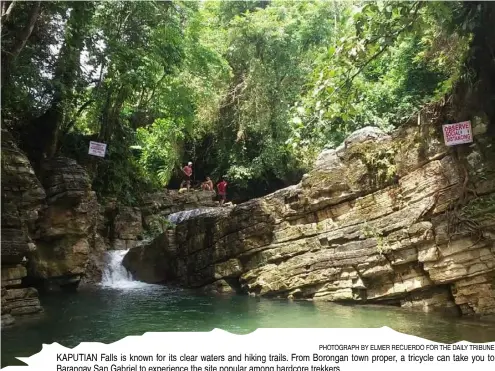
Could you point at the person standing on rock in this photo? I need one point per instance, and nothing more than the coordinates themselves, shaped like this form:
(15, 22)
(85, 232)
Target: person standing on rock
(222, 190)
(187, 170)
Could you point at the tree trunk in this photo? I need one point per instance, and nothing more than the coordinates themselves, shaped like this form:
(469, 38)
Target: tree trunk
(66, 73)
(8, 57)
(483, 61)
(6, 12)
(480, 96)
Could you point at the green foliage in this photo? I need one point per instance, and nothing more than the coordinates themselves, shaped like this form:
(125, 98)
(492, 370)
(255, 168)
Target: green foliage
(382, 244)
(389, 60)
(269, 51)
(157, 226)
(480, 209)
(248, 89)
(159, 149)
(120, 174)
(379, 160)
(29, 91)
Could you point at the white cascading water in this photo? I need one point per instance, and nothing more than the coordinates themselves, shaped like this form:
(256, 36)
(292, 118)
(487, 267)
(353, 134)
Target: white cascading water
(181, 216)
(115, 275)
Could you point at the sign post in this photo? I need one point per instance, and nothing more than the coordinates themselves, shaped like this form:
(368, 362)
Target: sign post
(458, 133)
(97, 149)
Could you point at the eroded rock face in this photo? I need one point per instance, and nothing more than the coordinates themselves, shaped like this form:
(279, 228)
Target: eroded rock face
(65, 225)
(128, 228)
(16, 299)
(96, 263)
(162, 204)
(51, 229)
(379, 219)
(22, 199)
(151, 262)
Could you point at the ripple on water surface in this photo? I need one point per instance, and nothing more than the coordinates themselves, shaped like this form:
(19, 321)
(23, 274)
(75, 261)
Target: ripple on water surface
(107, 314)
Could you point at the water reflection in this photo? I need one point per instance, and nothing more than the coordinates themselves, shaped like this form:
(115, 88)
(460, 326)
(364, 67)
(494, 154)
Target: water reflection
(107, 315)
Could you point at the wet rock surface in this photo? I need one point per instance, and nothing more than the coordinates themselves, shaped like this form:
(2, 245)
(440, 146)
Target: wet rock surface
(381, 219)
(160, 205)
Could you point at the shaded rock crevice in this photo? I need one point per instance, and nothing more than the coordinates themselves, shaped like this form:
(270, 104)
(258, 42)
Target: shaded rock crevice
(22, 200)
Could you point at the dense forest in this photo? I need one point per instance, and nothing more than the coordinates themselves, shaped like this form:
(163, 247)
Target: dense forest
(252, 90)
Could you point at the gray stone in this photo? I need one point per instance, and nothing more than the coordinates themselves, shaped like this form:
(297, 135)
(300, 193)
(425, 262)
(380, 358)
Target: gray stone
(340, 235)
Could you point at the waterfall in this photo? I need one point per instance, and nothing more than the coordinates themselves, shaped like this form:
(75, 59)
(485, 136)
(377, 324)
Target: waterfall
(115, 275)
(181, 216)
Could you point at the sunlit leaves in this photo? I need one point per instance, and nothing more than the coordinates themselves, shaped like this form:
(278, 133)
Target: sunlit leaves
(388, 60)
(270, 51)
(252, 89)
(159, 153)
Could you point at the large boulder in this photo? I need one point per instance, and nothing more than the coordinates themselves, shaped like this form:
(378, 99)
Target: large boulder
(20, 301)
(152, 262)
(16, 299)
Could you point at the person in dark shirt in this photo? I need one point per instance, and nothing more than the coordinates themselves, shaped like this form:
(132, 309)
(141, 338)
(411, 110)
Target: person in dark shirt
(187, 170)
(222, 190)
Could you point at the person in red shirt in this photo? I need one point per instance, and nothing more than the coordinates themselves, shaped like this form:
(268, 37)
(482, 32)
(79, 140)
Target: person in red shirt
(222, 190)
(187, 170)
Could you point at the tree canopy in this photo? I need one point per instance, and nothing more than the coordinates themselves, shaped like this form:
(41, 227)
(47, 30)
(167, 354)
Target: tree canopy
(250, 90)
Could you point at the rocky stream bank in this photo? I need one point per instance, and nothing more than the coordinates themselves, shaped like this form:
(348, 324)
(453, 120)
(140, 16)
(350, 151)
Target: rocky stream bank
(395, 219)
(391, 219)
(55, 233)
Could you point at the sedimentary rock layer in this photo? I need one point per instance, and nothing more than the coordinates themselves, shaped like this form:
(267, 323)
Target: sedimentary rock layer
(17, 300)
(22, 199)
(49, 222)
(66, 225)
(161, 204)
(395, 219)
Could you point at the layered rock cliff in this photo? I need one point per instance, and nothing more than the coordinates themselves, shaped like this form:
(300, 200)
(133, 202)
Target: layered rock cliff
(398, 219)
(66, 225)
(48, 228)
(160, 205)
(54, 232)
(22, 199)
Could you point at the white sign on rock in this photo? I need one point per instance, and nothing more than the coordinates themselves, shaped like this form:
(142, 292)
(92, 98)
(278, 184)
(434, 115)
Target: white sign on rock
(97, 149)
(458, 133)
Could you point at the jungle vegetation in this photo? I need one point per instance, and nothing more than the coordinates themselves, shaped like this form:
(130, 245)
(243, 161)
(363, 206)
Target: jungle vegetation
(248, 89)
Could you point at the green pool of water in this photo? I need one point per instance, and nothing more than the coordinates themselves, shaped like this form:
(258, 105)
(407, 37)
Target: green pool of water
(106, 315)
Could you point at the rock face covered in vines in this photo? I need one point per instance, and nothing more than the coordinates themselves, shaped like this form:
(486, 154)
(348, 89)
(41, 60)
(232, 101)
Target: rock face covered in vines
(394, 219)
